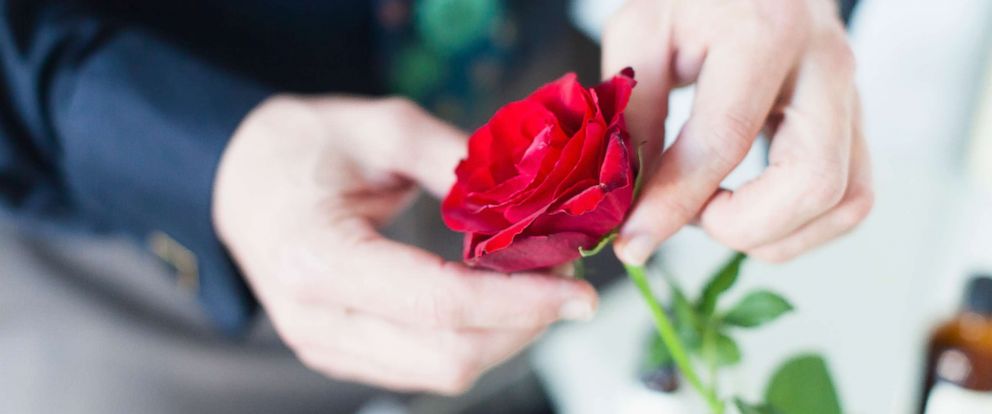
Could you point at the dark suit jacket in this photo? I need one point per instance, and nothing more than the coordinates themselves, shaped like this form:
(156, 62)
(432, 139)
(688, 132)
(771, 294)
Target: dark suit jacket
(114, 113)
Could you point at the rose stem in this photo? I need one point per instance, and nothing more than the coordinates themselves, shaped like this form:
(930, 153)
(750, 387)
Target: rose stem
(670, 338)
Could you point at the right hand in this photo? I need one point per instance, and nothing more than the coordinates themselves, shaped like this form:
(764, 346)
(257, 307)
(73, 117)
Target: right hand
(301, 188)
(782, 66)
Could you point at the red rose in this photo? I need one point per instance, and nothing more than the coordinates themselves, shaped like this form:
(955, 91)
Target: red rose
(545, 176)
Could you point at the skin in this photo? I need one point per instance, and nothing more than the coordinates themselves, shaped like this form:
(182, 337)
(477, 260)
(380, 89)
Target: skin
(779, 65)
(299, 194)
(305, 182)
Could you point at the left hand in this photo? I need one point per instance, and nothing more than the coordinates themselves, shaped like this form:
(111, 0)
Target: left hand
(301, 190)
(779, 65)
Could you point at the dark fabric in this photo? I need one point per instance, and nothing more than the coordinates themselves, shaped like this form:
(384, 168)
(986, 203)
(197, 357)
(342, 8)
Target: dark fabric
(847, 9)
(113, 115)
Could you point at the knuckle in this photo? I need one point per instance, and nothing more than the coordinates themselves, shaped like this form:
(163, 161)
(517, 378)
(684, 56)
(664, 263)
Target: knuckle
(400, 106)
(729, 141)
(841, 56)
(406, 123)
(736, 239)
(774, 23)
(857, 209)
(788, 21)
(459, 378)
(734, 234)
(826, 189)
(458, 347)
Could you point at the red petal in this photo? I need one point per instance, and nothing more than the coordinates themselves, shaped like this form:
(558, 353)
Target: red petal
(616, 170)
(535, 252)
(504, 237)
(568, 100)
(614, 94)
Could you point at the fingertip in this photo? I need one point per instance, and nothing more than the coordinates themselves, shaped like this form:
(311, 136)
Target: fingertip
(564, 270)
(579, 301)
(634, 248)
(576, 310)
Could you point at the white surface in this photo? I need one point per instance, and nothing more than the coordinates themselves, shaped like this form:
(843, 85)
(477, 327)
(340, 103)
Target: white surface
(950, 399)
(867, 301)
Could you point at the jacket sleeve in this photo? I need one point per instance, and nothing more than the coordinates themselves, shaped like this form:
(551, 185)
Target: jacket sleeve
(110, 126)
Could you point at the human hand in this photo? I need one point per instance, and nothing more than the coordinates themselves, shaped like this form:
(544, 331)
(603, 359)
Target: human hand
(299, 193)
(781, 65)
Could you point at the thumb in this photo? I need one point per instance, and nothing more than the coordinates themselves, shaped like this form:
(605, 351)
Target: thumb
(398, 136)
(432, 151)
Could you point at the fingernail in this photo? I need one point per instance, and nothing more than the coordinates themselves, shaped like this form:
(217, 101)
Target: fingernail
(576, 310)
(637, 249)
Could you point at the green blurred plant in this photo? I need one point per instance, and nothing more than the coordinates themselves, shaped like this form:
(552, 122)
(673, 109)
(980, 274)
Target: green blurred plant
(698, 336)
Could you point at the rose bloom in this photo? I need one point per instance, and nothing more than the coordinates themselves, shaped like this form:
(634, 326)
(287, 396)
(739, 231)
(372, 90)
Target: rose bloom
(545, 176)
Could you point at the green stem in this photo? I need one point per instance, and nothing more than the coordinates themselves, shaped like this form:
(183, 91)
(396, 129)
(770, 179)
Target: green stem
(710, 353)
(671, 339)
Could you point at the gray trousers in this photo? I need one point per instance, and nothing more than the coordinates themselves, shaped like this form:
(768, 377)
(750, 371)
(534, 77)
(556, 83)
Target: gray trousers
(98, 326)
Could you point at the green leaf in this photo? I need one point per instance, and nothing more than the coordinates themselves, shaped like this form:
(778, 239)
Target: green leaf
(757, 308)
(722, 281)
(687, 322)
(727, 351)
(802, 385)
(599, 246)
(748, 408)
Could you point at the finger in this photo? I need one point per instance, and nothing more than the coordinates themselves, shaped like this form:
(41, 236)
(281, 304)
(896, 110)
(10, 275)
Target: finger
(635, 37)
(361, 347)
(564, 269)
(809, 159)
(853, 209)
(396, 135)
(737, 85)
(431, 154)
(409, 285)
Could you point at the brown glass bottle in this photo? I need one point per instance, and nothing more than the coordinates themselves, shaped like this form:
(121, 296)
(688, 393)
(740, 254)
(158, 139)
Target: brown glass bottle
(959, 354)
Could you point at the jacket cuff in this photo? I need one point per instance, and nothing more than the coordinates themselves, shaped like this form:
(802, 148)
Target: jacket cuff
(142, 125)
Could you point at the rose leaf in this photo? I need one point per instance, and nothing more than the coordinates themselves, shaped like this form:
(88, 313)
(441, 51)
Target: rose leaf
(757, 308)
(722, 281)
(727, 351)
(802, 385)
(748, 408)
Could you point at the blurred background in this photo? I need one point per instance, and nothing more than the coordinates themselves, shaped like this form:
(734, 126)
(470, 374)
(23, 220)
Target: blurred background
(868, 301)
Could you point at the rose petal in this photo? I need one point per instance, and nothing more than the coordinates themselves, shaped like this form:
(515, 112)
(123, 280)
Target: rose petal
(602, 206)
(616, 170)
(568, 100)
(504, 237)
(613, 95)
(535, 252)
